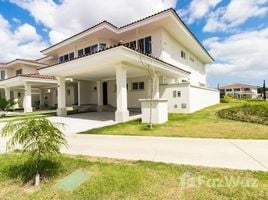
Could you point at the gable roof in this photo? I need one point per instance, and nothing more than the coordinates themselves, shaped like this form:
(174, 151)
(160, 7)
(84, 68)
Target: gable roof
(238, 85)
(115, 28)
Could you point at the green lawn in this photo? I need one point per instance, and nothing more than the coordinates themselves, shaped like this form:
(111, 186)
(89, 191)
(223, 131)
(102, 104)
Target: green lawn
(115, 179)
(202, 124)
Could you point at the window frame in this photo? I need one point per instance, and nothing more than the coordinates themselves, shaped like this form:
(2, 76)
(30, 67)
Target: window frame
(138, 86)
(3, 74)
(19, 72)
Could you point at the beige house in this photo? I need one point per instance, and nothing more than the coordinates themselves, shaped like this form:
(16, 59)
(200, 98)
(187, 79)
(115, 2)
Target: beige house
(240, 90)
(109, 67)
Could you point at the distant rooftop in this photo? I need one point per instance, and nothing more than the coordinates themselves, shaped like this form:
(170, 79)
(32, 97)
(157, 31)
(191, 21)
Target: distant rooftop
(238, 85)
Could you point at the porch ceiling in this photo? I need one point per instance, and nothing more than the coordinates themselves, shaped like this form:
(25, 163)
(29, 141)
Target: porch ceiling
(102, 65)
(19, 82)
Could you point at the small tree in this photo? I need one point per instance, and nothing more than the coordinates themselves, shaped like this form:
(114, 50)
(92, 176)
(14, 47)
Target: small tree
(264, 91)
(38, 137)
(6, 105)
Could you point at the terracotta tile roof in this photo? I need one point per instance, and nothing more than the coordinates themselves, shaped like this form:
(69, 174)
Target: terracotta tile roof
(112, 47)
(37, 76)
(135, 22)
(238, 85)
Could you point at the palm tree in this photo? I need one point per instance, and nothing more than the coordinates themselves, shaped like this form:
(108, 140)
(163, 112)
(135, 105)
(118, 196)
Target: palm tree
(5, 105)
(37, 136)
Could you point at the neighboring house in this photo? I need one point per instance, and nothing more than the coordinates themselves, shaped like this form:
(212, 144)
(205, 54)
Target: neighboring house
(240, 90)
(107, 66)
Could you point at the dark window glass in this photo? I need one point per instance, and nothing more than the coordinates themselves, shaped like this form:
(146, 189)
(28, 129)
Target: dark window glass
(141, 45)
(141, 85)
(102, 46)
(183, 55)
(94, 48)
(3, 74)
(18, 72)
(132, 45)
(71, 56)
(87, 51)
(61, 59)
(148, 45)
(66, 57)
(135, 86)
(80, 52)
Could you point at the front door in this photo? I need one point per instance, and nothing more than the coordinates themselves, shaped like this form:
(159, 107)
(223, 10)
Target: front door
(105, 93)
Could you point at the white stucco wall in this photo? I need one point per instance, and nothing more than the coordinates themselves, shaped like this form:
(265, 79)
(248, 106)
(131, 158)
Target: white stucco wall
(172, 54)
(192, 98)
(202, 97)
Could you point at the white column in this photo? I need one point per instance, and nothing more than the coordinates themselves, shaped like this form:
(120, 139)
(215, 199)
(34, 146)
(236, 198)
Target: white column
(41, 99)
(62, 110)
(156, 88)
(7, 93)
(99, 96)
(27, 103)
(16, 98)
(79, 93)
(121, 113)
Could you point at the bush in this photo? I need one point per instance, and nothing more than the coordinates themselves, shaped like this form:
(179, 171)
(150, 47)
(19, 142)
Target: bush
(227, 99)
(254, 113)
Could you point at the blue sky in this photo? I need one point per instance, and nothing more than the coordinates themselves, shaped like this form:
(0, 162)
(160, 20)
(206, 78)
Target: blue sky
(234, 31)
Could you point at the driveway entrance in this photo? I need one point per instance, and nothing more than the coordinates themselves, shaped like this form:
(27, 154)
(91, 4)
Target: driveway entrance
(81, 122)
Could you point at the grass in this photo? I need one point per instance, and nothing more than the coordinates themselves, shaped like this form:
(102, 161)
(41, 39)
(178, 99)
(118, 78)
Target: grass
(118, 179)
(201, 124)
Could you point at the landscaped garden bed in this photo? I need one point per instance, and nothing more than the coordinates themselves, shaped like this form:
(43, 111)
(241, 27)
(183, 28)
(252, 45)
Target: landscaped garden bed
(256, 112)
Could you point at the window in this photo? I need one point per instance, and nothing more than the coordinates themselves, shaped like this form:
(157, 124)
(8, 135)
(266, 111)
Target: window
(148, 45)
(61, 59)
(3, 75)
(138, 86)
(228, 90)
(132, 45)
(183, 55)
(94, 48)
(102, 46)
(176, 93)
(71, 56)
(80, 52)
(87, 50)
(66, 57)
(237, 89)
(247, 89)
(141, 45)
(18, 72)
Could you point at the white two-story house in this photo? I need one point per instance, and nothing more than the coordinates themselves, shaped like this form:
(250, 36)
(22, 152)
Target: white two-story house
(240, 90)
(109, 66)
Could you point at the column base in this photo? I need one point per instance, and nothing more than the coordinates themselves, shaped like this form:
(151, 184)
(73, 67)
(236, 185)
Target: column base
(99, 108)
(62, 112)
(28, 109)
(121, 116)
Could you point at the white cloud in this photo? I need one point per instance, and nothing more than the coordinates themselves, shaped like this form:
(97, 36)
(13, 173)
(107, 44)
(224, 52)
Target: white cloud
(23, 42)
(243, 54)
(198, 9)
(70, 16)
(237, 12)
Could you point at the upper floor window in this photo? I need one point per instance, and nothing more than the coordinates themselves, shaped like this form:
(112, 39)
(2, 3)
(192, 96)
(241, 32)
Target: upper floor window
(66, 57)
(94, 48)
(145, 45)
(3, 75)
(228, 90)
(102, 46)
(80, 52)
(87, 50)
(237, 89)
(247, 89)
(18, 72)
(183, 54)
(138, 86)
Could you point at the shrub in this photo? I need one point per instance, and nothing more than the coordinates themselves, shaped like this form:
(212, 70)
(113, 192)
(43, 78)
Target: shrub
(254, 113)
(227, 98)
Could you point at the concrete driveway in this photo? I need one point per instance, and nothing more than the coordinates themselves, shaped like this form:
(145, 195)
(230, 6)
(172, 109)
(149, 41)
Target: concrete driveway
(223, 153)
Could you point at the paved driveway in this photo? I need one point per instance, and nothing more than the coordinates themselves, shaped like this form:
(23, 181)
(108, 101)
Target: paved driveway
(235, 154)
